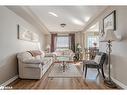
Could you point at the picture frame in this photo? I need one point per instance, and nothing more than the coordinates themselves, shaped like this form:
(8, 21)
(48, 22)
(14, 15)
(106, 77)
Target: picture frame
(25, 34)
(109, 22)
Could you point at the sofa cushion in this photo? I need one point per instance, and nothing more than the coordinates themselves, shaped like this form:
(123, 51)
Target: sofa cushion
(59, 52)
(49, 55)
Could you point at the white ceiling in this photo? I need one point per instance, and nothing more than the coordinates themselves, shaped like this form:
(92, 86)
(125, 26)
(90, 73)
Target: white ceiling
(73, 16)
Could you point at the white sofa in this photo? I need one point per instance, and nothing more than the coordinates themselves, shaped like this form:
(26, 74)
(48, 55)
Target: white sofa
(33, 67)
(64, 52)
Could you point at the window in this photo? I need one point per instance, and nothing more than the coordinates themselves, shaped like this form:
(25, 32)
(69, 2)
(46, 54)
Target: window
(92, 36)
(62, 42)
(91, 40)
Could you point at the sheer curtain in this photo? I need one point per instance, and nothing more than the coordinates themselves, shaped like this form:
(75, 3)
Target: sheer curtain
(53, 42)
(72, 42)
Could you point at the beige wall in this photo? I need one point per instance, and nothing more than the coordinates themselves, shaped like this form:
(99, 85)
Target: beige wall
(48, 40)
(10, 45)
(119, 48)
(79, 38)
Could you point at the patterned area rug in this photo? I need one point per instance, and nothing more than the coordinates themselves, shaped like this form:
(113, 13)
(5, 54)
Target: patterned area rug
(70, 71)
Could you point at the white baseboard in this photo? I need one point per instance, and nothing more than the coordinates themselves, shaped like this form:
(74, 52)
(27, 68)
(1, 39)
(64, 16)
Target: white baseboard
(9, 81)
(118, 82)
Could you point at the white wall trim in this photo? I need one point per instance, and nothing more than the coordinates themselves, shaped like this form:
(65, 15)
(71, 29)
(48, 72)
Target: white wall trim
(9, 81)
(118, 82)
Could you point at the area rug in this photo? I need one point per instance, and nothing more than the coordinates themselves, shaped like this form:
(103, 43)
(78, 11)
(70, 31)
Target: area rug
(70, 71)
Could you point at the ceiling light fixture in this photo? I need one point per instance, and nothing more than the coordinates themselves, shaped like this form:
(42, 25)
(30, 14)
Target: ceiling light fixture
(87, 19)
(51, 13)
(62, 24)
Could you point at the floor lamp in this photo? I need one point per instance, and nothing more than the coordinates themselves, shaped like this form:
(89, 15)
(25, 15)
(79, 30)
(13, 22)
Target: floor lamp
(109, 38)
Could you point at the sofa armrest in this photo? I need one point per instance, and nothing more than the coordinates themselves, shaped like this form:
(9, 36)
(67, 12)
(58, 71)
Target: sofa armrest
(33, 61)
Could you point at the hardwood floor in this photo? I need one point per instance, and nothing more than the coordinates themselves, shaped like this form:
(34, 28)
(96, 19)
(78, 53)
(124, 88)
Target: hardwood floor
(91, 82)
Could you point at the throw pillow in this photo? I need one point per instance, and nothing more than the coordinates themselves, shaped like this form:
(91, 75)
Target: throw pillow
(43, 53)
(38, 57)
(97, 59)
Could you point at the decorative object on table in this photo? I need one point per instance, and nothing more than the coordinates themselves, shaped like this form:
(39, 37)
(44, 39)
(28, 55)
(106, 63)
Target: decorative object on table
(95, 44)
(25, 34)
(109, 38)
(78, 52)
(109, 22)
(78, 47)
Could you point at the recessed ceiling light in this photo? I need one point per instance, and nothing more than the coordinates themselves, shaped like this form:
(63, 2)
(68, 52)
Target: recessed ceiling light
(78, 22)
(51, 13)
(87, 18)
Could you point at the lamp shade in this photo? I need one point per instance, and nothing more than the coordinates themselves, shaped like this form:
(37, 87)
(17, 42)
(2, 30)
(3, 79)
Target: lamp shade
(48, 46)
(109, 36)
(78, 46)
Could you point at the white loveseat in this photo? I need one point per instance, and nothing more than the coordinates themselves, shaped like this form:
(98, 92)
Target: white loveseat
(64, 52)
(33, 64)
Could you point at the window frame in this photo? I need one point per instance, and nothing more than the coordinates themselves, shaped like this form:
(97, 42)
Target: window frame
(62, 36)
(89, 44)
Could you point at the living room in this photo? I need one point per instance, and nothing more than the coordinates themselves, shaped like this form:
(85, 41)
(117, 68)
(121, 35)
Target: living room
(15, 19)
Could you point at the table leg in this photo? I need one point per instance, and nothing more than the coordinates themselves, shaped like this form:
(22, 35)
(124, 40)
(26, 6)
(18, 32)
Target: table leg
(63, 66)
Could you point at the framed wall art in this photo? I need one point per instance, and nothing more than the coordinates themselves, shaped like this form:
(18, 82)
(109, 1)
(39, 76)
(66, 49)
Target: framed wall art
(109, 22)
(25, 34)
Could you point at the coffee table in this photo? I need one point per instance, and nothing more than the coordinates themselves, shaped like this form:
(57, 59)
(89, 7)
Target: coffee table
(63, 59)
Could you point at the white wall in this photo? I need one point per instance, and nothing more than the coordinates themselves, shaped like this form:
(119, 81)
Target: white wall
(119, 48)
(10, 45)
(48, 40)
(79, 38)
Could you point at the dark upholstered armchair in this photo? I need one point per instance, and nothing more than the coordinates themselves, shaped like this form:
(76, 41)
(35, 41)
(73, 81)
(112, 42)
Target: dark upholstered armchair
(93, 64)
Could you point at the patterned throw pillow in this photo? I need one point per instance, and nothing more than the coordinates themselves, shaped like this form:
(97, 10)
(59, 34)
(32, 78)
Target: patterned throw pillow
(97, 59)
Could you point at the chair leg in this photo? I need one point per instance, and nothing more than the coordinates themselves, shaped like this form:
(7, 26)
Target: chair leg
(98, 70)
(85, 71)
(83, 66)
(102, 72)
